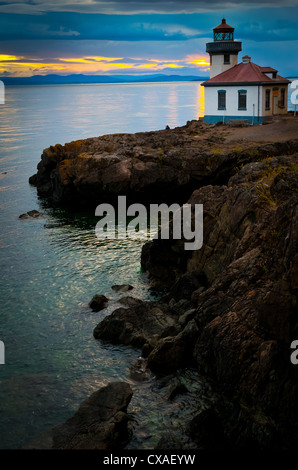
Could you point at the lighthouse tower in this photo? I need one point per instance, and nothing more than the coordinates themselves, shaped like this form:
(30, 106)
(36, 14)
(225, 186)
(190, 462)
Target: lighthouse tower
(223, 50)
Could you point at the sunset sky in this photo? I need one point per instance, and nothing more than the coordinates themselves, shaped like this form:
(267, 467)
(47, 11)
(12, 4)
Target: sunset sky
(139, 37)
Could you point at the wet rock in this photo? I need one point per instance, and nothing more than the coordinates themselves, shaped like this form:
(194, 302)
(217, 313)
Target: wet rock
(34, 213)
(100, 423)
(172, 353)
(150, 345)
(139, 371)
(122, 287)
(98, 302)
(176, 388)
(136, 325)
(186, 285)
(128, 301)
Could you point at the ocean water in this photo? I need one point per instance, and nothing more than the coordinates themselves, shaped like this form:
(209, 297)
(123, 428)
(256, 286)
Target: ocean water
(52, 266)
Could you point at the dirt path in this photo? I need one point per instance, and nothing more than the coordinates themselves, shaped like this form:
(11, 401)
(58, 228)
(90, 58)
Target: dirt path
(280, 130)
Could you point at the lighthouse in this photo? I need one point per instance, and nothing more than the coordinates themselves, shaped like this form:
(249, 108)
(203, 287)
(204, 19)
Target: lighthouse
(223, 51)
(241, 92)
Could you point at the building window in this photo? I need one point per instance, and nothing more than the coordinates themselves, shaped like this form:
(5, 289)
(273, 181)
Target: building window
(226, 58)
(282, 98)
(223, 36)
(274, 75)
(242, 94)
(267, 100)
(221, 99)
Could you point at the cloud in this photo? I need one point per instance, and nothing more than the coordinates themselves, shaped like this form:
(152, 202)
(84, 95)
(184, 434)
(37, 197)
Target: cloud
(132, 6)
(261, 25)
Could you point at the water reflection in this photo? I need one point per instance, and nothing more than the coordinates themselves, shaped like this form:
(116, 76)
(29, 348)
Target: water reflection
(52, 266)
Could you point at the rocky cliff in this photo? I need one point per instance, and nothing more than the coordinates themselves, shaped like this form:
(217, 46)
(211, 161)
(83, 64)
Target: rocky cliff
(231, 306)
(160, 166)
(243, 286)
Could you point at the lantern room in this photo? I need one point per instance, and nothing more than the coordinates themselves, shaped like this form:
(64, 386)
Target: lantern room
(223, 32)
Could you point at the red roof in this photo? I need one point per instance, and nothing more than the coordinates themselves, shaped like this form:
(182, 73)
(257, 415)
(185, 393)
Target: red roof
(224, 26)
(244, 73)
(267, 69)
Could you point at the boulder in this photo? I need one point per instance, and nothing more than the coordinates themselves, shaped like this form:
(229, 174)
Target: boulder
(34, 213)
(122, 287)
(100, 423)
(137, 325)
(98, 302)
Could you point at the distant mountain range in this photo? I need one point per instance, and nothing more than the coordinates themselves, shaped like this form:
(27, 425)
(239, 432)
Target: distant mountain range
(81, 79)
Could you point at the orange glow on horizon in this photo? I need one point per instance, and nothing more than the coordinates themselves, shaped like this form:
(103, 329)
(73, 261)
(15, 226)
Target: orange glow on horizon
(8, 58)
(89, 64)
(201, 61)
(173, 65)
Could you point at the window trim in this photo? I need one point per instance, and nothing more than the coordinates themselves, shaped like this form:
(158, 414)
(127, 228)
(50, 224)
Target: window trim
(242, 108)
(223, 93)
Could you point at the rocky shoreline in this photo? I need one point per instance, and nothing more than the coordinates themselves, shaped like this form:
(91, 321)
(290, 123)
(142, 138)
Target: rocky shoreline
(230, 310)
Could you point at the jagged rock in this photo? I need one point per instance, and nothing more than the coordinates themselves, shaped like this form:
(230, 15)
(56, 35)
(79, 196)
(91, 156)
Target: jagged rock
(247, 313)
(100, 423)
(180, 307)
(137, 325)
(186, 285)
(98, 302)
(186, 316)
(152, 166)
(172, 353)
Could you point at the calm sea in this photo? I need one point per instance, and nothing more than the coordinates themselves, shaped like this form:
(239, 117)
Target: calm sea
(52, 266)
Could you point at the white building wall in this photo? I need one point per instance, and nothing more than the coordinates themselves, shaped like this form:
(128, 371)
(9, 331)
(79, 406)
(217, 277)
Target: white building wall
(211, 101)
(218, 66)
